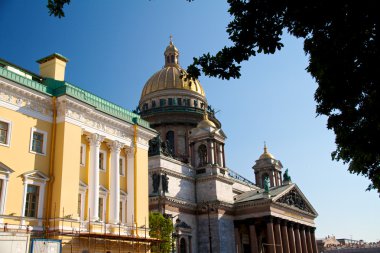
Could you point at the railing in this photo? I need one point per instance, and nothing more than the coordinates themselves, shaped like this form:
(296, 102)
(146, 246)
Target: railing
(21, 224)
(238, 177)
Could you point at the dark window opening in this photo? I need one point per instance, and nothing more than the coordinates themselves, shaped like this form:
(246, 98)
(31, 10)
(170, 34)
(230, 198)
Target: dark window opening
(170, 142)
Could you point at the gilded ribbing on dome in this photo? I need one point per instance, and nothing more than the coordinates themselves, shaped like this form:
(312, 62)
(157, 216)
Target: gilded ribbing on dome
(171, 76)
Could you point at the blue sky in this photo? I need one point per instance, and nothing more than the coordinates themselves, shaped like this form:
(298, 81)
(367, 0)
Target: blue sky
(115, 46)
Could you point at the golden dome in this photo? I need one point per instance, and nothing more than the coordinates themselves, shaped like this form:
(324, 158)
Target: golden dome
(266, 154)
(171, 76)
(205, 123)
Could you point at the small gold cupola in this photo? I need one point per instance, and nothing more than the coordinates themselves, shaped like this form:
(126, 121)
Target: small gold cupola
(266, 154)
(171, 54)
(53, 66)
(206, 123)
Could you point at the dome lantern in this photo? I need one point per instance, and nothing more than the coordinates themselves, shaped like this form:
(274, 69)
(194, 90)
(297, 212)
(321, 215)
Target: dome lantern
(171, 54)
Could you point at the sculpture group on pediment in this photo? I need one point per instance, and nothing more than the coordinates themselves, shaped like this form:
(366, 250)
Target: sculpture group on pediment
(293, 198)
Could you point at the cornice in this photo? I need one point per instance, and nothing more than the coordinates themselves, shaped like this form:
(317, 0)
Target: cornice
(32, 103)
(93, 121)
(215, 177)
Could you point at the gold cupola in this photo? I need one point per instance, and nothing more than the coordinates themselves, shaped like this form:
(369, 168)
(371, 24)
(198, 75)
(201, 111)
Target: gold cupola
(266, 154)
(206, 123)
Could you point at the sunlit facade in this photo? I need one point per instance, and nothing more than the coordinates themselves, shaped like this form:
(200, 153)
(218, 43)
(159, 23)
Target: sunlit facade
(73, 166)
(214, 209)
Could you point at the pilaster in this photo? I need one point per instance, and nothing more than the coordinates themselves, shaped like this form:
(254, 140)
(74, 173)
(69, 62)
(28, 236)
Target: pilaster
(130, 185)
(115, 147)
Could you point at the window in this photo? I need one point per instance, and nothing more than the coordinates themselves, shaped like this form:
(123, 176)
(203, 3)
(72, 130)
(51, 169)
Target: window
(122, 166)
(83, 154)
(145, 106)
(202, 154)
(102, 160)
(34, 194)
(162, 102)
(195, 103)
(179, 101)
(102, 206)
(170, 142)
(101, 209)
(187, 101)
(1, 195)
(81, 200)
(121, 212)
(31, 202)
(38, 141)
(170, 101)
(5, 132)
(153, 103)
(5, 171)
(123, 207)
(79, 210)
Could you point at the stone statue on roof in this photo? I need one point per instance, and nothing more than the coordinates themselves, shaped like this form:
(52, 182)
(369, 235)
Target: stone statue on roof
(287, 178)
(266, 184)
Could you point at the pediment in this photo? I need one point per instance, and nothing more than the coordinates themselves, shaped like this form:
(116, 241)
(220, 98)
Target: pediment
(35, 175)
(103, 189)
(4, 169)
(295, 199)
(82, 185)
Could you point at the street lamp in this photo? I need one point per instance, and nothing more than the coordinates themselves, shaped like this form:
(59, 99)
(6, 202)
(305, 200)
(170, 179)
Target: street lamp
(177, 221)
(209, 207)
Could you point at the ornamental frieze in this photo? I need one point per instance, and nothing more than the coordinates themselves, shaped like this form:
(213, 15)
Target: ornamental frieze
(29, 101)
(85, 116)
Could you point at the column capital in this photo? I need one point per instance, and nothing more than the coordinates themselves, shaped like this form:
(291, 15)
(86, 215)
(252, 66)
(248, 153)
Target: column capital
(277, 220)
(115, 146)
(95, 139)
(284, 222)
(268, 219)
(129, 151)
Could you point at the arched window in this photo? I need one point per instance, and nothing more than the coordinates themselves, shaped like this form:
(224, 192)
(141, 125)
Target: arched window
(172, 56)
(170, 142)
(202, 153)
(182, 245)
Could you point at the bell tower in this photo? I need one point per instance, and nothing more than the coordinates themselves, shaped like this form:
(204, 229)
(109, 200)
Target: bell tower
(267, 166)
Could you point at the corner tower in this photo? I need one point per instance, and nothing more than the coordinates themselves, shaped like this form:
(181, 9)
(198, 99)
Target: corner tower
(267, 166)
(173, 105)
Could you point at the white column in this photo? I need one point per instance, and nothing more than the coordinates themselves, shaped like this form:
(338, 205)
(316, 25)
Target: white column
(93, 177)
(212, 146)
(3, 193)
(221, 156)
(130, 186)
(115, 147)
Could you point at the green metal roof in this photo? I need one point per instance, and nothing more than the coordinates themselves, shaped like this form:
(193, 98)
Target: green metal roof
(56, 88)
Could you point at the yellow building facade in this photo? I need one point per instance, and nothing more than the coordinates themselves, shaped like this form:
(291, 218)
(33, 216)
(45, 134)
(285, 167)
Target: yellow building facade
(73, 166)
